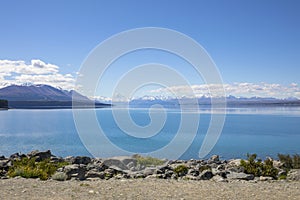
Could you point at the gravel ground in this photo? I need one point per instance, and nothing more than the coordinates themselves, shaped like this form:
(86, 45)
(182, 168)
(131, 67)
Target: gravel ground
(19, 188)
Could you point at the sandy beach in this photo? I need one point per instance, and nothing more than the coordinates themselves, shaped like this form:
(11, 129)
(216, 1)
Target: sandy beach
(20, 188)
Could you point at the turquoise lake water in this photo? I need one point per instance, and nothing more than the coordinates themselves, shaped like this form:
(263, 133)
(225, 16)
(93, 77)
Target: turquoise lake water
(265, 131)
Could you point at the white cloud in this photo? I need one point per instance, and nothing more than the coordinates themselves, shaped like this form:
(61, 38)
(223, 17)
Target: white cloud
(294, 84)
(37, 72)
(236, 89)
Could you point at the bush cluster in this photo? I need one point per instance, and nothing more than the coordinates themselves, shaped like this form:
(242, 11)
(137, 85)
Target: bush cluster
(259, 168)
(29, 168)
(181, 170)
(290, 162)
(3, 103)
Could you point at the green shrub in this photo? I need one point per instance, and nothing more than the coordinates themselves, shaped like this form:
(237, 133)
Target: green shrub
(148, 161)
(296, 161)
(29, 168)
(3, 103)
(204, 167)
(251, 166)
(259, 168)
(181, 170)
(282, 177)
(290, 162)
(267, 169)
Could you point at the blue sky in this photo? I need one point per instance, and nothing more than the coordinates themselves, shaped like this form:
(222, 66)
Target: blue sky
(250, 41)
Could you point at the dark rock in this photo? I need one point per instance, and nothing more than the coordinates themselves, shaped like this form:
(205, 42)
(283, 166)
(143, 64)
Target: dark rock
(96, 166)
(237, 169)
(15, 156)
(81, 160)
(169, 173)
(40, 155)
(158, 171)
(113, 171)
(191, 163)
(125, 176)
(222, 174)
(139, 175)
(109, 173)
(56, 159)
(110, 170)
(164, 168)
(116, 169)
(4, 165)
(2, 158)
(118, 162)
(193, 172)
(75, 171)
(131, 165)
(174, 176)
(206, 175)
(95, 174)
(221, 167)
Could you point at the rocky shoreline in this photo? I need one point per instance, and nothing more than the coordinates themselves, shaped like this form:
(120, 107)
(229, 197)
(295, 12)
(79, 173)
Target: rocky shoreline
(136, 167)
(137, 177)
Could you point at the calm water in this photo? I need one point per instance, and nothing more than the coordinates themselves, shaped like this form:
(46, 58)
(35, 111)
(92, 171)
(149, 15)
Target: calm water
(265, 131)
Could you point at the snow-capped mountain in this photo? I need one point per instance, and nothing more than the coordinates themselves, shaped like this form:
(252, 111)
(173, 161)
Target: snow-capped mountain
(29, 92)
(230, 101)
(45, 96)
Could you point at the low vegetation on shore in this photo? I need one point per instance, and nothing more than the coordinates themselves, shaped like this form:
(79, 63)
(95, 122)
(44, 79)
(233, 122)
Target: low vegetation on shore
(44, 165)
(29, 168)
(3, 104)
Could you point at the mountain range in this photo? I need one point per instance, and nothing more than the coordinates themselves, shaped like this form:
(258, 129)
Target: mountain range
(44, 96)
(231, 101)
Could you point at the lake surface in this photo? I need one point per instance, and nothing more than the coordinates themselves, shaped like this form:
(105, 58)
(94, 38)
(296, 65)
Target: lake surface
(265, 131)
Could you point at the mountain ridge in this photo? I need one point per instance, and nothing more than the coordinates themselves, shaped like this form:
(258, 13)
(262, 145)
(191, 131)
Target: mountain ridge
(39, 92)
(230, 101)
(45, 96)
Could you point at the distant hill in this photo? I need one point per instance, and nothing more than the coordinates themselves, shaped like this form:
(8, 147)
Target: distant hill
(231, 101)
(3, 104)
(38, 93)
(43, 96)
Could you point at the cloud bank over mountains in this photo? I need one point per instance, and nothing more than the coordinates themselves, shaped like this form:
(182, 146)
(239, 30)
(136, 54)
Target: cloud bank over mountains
(235, 89)
(36, 72)
(39, 72)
